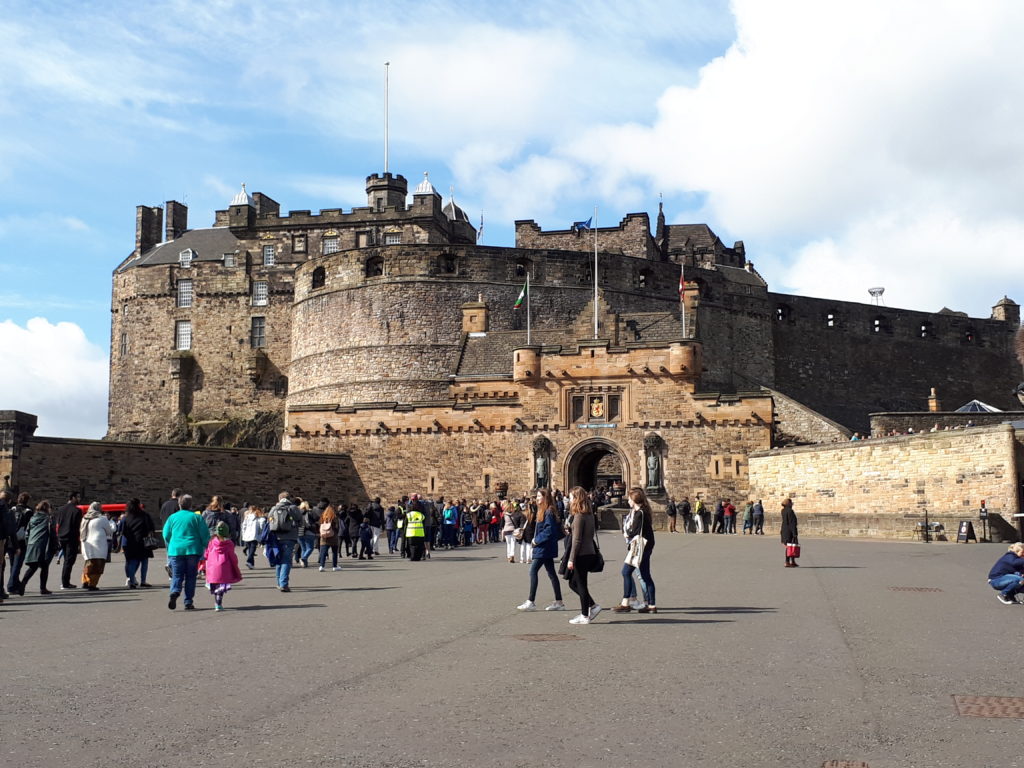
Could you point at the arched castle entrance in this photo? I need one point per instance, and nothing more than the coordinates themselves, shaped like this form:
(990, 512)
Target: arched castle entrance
(594, 463)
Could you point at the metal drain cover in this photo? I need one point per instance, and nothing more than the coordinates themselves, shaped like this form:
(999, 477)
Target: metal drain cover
(844, 764)
(989, 706)
(915, 589)
(545, 638)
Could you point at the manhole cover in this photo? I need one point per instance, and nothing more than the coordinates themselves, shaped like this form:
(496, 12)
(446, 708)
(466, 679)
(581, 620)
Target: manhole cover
(990, 706)
(844, 764)
(545, 638)
(915, 589)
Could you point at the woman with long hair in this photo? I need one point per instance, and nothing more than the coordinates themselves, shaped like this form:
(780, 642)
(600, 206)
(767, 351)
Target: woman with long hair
(638, 523)
(528, 514)
(136, 526)
(330, 538)
(508, 529)
(253, 522)
(582, 553)
(547, 534)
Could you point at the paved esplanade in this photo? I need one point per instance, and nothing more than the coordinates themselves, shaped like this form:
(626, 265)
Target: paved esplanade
(392, 663)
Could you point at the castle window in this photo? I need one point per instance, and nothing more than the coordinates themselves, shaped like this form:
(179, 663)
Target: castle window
(643, 280)
(522, 267)
(124, 312)
(269, 257)
(183, 334)
(380, 204)
(925, 331)
(393, 238)
(969, 336)
(881, 324)
(783, 312)
(260, 293)
(830, 320)
(448, 264)
(258, 333)
(229, 260)
(375, 266)
(124, 345)
(185, 293)
(281, 386)
(185, 258)
(363, 239)
(319, 278)
(331, 245)
(298, 243)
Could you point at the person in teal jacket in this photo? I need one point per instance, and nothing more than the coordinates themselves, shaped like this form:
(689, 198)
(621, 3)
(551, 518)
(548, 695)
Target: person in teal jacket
(186, 536)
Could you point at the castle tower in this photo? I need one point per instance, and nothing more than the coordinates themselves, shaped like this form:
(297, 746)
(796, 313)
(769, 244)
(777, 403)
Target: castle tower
(1007, 310)
(242, 211)
(386, 191)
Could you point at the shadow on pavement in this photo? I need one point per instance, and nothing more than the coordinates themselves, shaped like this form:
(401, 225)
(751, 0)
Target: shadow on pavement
(721, 609)
(658, 619)
(274, 607)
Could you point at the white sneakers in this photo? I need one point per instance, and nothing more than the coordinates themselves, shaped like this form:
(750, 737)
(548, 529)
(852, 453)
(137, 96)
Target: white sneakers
(636, 605)
(558, 605)
(581, 619)
(322, 569)
(529, 605)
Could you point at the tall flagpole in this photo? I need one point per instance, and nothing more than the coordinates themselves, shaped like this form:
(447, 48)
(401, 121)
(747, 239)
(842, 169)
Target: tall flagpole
(387, 65)
(595, 272)
(682, 303)
(527, 306)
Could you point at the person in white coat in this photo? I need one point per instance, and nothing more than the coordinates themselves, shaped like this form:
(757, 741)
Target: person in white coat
(96, 531)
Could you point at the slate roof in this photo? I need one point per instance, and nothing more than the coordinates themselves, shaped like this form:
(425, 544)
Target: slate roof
(206, 244)
(694, 235)
(491, 355)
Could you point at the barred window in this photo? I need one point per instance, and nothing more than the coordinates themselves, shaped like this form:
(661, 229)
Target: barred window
(260, 293)
(184, 293)
(258, 333)
(124, 345)
(331, 245)
(269, 257)
(393, 238)
(229, 260)
(185, 258)
(183, 334)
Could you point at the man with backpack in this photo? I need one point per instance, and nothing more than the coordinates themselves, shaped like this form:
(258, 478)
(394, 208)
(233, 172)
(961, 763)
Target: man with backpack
(283, 521)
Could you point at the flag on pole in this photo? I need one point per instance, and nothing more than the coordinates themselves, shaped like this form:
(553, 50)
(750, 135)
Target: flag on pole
(579, 226)
(522, 296)
(480, 232)
(682, 285)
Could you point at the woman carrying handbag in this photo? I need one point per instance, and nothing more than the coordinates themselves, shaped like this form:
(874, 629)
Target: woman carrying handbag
(584, 554)
(789, 534)
(639, 533)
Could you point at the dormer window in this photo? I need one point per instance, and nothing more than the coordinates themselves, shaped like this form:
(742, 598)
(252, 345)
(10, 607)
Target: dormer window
(229, 260)
(185, 258)
(269, 256)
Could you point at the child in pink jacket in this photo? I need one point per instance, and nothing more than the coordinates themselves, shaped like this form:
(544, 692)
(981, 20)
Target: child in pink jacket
(221, 564)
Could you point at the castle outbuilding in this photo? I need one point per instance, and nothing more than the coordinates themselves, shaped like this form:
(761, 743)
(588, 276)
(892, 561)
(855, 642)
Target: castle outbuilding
(386, 333)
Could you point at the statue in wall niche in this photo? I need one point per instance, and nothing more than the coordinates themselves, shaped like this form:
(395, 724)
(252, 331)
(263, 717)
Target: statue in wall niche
(653, 470)
(541, 462)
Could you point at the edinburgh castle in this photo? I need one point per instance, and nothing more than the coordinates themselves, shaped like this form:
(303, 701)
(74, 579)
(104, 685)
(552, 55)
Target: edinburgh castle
(388, 335)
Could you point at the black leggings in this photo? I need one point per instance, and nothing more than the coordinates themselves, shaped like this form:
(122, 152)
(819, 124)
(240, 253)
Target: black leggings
(44, 573)
(578, 582)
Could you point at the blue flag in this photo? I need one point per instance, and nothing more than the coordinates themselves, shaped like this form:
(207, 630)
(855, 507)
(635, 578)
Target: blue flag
(579, 226)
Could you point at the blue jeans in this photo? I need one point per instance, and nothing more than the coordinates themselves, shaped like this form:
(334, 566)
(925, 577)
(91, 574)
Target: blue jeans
(392, 540)
(1009, 584)
(306, 542)
(646, 581)
(250, 552)
(548, 563)
(284, 568)
(132, 566)
(184, 569)
(328, 549)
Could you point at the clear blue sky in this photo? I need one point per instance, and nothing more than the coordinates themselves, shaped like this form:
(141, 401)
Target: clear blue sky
(848, 144)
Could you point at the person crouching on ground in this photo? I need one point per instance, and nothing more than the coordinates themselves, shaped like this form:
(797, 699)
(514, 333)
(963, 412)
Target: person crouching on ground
(221, 564)
(95, 533)
(1007, 575)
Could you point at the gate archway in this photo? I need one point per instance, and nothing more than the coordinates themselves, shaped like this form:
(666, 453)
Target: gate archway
(596, 462)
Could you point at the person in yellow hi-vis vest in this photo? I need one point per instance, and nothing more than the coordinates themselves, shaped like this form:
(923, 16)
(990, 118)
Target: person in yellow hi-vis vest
(415, 535)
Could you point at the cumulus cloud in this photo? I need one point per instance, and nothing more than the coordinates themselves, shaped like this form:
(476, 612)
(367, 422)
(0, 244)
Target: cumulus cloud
(57, 374)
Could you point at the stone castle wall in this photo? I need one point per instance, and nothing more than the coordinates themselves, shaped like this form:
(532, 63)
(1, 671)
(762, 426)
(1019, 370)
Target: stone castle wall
(114, 472)
(923, 421)
(888, 484)
(849, 369)
(632, 237)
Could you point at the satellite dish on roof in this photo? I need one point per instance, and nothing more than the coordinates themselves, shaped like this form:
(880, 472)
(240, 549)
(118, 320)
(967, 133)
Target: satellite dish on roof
(876, 294)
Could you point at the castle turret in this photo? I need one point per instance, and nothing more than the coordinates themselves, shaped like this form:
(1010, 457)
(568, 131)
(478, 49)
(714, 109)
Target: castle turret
(1007, 310)
(242, 211)
(386, 191)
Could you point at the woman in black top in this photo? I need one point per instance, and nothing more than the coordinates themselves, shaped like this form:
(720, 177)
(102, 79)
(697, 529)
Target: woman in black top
(789, 532)
(136, 526)
(40, 547)
(638, 523)
(582, 553)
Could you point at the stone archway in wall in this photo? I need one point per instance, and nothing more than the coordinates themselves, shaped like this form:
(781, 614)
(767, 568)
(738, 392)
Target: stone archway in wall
(596, 462)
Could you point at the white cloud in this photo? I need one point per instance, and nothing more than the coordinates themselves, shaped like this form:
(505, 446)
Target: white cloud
(56, 374)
